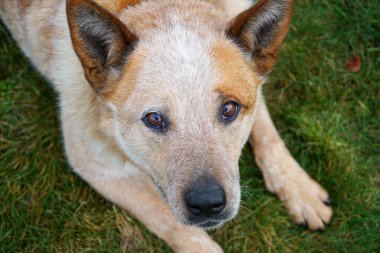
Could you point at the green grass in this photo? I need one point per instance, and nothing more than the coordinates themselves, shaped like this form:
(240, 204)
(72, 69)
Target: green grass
(328, 116)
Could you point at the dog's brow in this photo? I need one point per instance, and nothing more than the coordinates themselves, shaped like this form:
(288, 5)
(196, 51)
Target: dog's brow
(237, 80)
(231, 96)
(246, 96)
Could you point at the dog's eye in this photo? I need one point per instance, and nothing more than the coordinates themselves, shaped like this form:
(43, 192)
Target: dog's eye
(154, 120)
(230, 111)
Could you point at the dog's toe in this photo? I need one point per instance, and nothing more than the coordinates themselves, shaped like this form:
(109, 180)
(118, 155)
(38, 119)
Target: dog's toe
(327, 201)
(303, 224)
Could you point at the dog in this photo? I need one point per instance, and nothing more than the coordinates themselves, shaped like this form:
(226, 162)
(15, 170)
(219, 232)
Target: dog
(157, 100)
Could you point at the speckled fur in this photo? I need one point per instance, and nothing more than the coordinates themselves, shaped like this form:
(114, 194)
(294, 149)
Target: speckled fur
(183, 65)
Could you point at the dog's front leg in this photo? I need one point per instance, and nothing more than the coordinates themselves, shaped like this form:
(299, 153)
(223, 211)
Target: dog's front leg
(137, 194)
(305, 199)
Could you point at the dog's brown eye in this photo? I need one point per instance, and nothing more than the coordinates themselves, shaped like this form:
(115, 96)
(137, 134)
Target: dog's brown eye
(154, 120)
(230, 111)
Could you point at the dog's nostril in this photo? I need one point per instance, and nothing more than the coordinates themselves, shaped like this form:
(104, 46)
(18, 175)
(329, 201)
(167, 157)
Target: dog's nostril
(205, 198)
(218, 205)
(196, 210)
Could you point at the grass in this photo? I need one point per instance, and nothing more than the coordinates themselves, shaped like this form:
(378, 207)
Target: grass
(328, 116)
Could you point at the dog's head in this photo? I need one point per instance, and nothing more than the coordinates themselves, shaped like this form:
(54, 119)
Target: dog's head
(177, 82)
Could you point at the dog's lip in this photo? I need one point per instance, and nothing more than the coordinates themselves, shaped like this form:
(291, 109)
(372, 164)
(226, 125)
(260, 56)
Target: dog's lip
(210, 224)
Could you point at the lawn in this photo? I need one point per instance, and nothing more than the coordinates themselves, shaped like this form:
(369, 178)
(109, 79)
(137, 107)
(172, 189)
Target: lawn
(328, 115)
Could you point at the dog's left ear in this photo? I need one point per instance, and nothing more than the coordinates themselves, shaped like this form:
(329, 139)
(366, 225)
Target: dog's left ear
(261, 30)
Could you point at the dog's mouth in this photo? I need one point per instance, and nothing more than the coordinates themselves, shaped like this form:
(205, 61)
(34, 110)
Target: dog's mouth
(210, 225)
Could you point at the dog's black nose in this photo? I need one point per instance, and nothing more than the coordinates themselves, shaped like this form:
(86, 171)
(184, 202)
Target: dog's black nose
(205, 198)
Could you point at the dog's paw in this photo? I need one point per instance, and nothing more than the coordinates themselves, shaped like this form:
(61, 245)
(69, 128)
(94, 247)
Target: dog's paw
(194, 240)
(307, 202)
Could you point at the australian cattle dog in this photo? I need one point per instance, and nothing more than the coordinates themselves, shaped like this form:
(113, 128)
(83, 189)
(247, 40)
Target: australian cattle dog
(157, 99)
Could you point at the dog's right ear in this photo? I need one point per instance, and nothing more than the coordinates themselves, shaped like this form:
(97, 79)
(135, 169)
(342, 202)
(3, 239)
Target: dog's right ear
(101, 41)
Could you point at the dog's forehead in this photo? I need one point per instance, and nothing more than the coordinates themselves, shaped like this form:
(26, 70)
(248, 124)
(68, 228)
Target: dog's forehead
(152, 17)
(179, 61)
(194, 70)
(183, 61)
(176, 38)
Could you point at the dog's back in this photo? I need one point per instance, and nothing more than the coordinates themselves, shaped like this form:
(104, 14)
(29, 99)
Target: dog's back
(33, 25)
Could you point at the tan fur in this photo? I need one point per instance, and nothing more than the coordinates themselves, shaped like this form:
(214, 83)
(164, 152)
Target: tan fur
(24, 5)
(116, 6)
(183, 65)
(124, 90)
(240, 86)
(142, 19)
